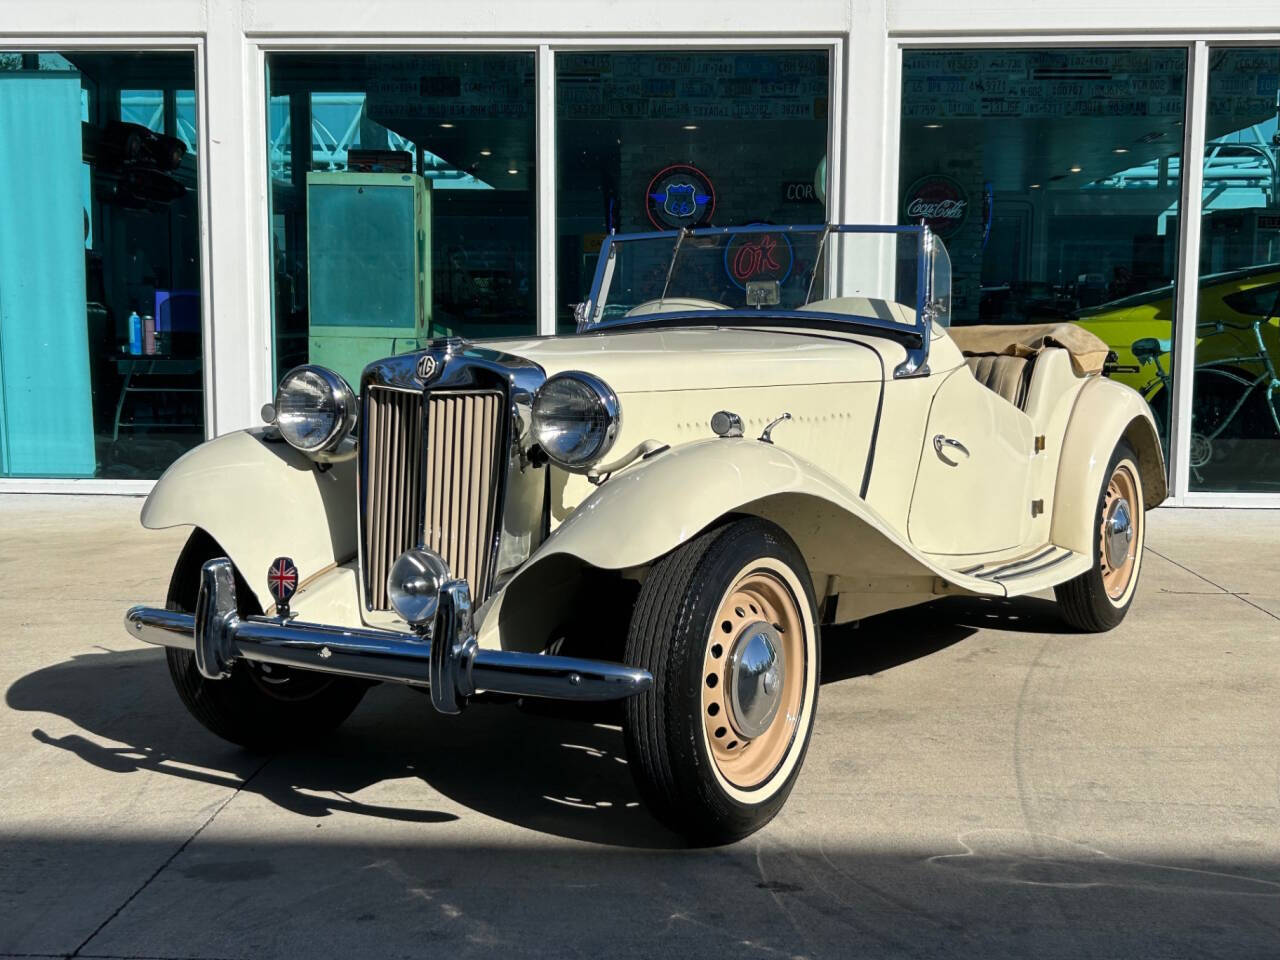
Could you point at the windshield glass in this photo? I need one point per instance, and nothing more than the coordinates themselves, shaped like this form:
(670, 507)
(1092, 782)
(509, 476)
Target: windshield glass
(884, 274)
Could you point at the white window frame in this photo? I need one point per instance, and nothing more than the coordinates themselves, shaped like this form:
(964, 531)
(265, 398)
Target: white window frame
(1198, 45)
(235, 245)
(166, 43)
(544, 50)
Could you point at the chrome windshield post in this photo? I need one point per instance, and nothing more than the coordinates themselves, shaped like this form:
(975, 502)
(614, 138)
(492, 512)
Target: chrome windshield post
(916, 363)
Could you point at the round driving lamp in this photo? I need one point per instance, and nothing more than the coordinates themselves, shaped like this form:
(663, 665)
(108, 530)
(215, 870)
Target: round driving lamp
(315, 409)
(575, 419)
(414, 585)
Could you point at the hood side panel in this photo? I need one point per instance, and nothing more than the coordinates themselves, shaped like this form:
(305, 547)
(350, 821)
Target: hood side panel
(709, 358)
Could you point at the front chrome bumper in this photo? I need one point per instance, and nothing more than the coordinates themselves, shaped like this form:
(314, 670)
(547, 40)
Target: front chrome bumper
(450, 662)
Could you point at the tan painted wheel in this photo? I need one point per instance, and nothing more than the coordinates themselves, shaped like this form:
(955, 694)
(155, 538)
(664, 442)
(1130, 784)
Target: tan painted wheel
(1099, 598)
(753, 679)
(1118, 530)
(728, 627)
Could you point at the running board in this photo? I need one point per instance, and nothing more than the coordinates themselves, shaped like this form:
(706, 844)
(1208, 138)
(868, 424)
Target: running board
(1040, 568)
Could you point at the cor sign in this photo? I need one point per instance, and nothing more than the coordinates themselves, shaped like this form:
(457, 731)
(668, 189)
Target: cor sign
(800, 191)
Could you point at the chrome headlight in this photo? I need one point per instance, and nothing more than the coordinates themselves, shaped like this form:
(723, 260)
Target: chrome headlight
(414, 585)
(315, 409)
(576, 418)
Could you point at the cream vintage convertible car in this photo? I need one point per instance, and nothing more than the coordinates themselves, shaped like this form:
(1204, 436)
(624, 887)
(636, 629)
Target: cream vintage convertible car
(755, 433)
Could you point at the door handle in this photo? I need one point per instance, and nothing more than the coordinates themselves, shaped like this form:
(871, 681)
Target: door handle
(940, 443)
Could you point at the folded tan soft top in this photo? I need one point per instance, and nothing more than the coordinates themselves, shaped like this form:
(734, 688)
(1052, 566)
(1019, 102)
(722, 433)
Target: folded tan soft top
(1088, 352)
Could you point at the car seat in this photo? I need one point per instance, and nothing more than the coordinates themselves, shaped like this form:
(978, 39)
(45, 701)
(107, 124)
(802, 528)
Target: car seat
(1003, 358)
(1008, 376)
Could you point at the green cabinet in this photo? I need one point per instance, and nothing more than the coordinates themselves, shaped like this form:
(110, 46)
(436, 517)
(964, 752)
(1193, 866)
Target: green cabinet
(369, 268)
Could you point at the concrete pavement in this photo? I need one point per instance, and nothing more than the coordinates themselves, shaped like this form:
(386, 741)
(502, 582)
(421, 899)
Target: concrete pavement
(980, 783)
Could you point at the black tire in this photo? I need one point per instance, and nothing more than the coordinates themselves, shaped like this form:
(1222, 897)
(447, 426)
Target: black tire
(251, 708)
(669, 743)
(1085, 602)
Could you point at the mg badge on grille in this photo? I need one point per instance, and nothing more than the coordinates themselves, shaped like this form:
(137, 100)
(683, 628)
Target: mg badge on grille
(282, 583)
(426, 367)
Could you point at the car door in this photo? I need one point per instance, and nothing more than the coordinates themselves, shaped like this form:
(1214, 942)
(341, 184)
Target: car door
(972, 487)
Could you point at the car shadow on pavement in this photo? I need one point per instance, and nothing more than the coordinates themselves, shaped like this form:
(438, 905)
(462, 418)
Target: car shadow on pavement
(554, 774)
(892, 639)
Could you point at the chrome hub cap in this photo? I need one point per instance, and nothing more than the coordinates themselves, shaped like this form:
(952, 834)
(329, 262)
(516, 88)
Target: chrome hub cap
(753, 674)
(1118, 532)
(756, 675)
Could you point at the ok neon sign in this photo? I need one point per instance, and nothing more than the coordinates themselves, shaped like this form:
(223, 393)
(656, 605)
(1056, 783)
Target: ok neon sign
(763, 256)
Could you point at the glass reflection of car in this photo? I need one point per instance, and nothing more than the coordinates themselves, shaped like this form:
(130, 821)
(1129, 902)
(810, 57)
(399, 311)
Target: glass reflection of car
(1237, 349)
(756, 433)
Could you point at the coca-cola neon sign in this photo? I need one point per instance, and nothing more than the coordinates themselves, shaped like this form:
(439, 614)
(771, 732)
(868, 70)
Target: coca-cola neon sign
(939, 201)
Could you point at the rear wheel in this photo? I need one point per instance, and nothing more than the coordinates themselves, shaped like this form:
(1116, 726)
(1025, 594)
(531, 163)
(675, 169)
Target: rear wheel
(727, 625)
(259, 706)
(1098, 599)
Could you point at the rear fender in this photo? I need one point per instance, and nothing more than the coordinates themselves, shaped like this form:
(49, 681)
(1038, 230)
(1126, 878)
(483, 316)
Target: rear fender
(260, 500)
(646, 511)
(1105, 413)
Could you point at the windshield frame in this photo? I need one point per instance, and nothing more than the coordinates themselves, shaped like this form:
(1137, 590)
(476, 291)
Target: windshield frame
(914, 337)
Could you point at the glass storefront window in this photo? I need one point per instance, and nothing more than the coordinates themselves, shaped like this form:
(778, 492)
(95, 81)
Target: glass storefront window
(663, 140)
(1235, 429)
(403, 195)
(145, 107)
(101, 362)
(1053, 176)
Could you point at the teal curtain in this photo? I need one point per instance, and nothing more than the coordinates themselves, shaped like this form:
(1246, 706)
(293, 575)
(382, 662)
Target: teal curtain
(46, 413)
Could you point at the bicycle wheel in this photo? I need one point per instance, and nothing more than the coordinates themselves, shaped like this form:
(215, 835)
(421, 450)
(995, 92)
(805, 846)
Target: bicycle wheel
(1226, 407)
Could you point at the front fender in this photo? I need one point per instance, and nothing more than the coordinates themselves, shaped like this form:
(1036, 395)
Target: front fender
(647, 510)
(1105, 413)
(260, 500)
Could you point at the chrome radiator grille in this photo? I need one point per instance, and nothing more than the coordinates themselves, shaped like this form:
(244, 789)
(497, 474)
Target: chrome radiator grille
(446, 494)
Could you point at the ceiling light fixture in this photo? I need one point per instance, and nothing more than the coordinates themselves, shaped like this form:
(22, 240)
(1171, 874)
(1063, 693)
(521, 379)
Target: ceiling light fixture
(690, 126)
(1120, 150)
(933, 126)
(512, 170)
(446, 126)
(1076, 169)
(1034, 186)
(486, 153)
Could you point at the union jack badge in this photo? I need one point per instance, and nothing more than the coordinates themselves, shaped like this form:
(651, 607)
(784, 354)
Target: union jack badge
(282, 580)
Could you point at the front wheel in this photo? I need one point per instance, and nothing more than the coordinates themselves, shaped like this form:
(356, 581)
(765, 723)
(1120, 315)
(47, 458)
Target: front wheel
(727, 625)
(1098, 599)
(261, 707)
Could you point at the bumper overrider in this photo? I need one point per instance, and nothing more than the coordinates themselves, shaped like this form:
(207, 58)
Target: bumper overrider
(448, 661)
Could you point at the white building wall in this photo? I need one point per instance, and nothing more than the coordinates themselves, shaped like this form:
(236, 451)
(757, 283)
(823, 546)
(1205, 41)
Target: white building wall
(231, 38)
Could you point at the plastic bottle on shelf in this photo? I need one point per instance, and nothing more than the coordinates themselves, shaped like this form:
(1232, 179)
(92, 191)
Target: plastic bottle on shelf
(135, 334)
(148, 334)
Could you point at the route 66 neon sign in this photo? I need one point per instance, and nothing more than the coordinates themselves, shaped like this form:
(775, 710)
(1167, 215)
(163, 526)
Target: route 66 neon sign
(680, 195)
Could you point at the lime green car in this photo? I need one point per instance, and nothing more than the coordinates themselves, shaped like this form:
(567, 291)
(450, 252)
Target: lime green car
(1230, 303)
(1236, 386)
